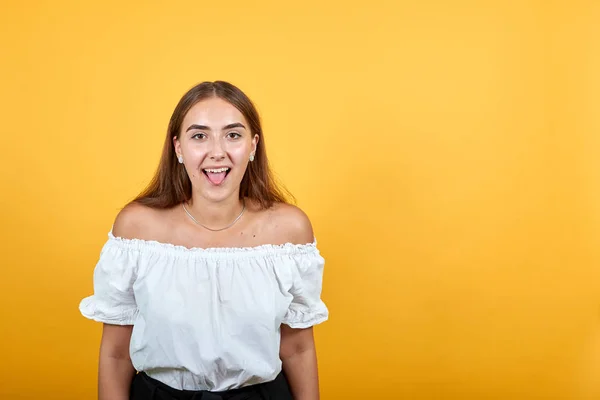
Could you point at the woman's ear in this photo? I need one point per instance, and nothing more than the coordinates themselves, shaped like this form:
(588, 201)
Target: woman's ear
(177, 146)
(255, 140)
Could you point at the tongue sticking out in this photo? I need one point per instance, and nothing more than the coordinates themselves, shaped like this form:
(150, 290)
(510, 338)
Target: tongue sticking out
(216, 178)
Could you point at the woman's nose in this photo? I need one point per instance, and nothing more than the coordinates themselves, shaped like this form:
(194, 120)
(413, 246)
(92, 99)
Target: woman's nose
(216, 150)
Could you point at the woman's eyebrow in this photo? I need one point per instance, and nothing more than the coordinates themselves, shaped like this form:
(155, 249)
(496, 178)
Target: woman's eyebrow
(206, 128)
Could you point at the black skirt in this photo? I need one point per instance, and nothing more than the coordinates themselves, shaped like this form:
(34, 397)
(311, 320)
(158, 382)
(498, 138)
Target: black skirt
(145, 388)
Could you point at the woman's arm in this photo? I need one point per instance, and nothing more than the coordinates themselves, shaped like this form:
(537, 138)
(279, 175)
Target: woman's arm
(115, 370)
(299, 359)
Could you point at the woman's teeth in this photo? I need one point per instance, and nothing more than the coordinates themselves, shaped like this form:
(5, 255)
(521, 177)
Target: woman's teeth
(218, 170)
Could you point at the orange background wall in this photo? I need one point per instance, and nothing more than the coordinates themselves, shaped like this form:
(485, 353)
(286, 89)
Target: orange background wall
(446, 152)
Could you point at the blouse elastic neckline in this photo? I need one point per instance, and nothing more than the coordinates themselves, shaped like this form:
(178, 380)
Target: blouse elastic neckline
(286, 248)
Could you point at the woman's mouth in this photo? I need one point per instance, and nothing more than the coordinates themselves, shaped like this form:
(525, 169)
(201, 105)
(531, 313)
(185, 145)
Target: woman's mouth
(216, 176)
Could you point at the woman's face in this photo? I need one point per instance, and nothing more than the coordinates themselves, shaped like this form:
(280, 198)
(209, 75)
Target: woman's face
(215, 143)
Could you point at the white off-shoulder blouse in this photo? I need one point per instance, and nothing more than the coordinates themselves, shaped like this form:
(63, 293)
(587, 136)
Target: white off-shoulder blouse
(206, 319)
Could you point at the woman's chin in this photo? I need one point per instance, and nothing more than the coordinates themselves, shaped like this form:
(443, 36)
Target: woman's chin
(217, 193)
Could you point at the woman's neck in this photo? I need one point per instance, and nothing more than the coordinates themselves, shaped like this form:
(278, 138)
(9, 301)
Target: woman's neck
(215, 215)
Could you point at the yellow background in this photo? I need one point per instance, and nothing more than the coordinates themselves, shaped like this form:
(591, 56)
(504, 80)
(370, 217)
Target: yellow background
(446, 152)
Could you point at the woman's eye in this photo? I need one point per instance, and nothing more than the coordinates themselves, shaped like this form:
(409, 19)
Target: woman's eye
(198, 136)
(234, 135)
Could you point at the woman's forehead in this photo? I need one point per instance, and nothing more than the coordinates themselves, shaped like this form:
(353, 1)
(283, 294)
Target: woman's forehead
(214, 112)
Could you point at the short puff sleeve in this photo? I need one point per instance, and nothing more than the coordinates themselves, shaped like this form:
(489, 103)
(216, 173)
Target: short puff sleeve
(113, 301)
(307, 308)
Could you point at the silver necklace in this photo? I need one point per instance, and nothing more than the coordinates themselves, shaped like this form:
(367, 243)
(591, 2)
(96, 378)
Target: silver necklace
(210, 229)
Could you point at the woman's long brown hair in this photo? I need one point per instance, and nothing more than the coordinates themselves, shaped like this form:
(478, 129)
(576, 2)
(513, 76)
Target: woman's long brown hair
(171, 185)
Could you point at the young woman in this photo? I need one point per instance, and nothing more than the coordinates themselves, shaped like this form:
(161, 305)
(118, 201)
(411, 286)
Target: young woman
(210, 282)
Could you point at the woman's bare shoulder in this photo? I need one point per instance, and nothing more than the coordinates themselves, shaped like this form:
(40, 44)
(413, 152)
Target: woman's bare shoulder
(137, 221)
(290, 224)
